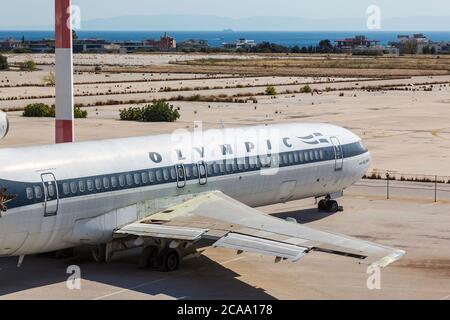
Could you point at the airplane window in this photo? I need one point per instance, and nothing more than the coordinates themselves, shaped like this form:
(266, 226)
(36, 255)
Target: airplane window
(252, 162)
(144, 177)
(321, 155)
(66, 188)
(258, 163)
(137, 178)
(306, 156)
(210, 169)
(235, 166)
(38, 192)
(81, 186)
(362, 147)
(51, 190)
(195, 171)
(106, 183)
(291, 158)
(247, 164)
(229, 167)
(159, 176)
(275, 160)
(122, 180)
(301, 157)
(129, 180)
(202, 171)
(216, 168)
(311, 155)
(180, 172)
(295, 157)
(316, 154)
(166, 174)
(173, 173)
(151, 175)
(240, 165)
(73, 187)
(90, 185)
(114, 181)
(188, 171)
(98, 184)
(29, 193)
(285, 159)
(222, 168)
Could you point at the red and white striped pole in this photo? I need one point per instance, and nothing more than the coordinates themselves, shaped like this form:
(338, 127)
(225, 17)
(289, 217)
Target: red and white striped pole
(64, 72)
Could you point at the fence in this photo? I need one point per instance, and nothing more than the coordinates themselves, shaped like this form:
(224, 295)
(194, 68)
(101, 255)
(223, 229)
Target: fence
(402, 185)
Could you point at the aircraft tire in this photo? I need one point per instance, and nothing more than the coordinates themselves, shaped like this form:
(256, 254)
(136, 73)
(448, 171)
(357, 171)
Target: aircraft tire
(170, 260)
(99, 253)
(333, 206)
(147, 258)
(322, 206)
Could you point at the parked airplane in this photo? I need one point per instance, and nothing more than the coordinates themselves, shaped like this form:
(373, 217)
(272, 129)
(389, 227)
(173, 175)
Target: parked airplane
(169, 197)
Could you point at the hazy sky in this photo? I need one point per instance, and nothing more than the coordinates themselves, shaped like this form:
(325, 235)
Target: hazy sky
(22, 13)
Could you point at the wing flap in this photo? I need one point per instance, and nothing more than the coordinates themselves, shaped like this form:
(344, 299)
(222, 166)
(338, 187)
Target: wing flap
(162, 231)
(257, 245)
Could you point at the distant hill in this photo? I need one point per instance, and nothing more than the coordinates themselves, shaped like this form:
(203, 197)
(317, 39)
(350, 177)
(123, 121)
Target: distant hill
(207, 23)
(201, 22)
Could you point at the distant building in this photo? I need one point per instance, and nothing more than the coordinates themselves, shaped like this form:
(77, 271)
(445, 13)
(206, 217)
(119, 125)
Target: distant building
(90, 45)
(133, 46)
(358, 41)
(240, 44)
(11, 44)
(165, 43)
(377, 50)
(40, 46)
(419, 44)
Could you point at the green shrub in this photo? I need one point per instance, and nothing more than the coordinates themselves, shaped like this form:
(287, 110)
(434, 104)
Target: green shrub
(80, 114)
(29, 65)
(37, 110)
(131, 114)
(3, 63)
(271, 91)
(306, 89)
(42, 110)
(98, 68)
(158, 111)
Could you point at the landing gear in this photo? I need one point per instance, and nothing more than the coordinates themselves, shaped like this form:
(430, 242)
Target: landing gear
(329, 205)
(168, 260)
(99, 253)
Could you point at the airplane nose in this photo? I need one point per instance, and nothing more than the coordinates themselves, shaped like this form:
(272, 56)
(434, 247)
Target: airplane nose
(369, 164)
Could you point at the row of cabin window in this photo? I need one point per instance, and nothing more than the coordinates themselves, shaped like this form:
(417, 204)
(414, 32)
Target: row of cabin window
(99, 184)
(265, 161)
(165, 174)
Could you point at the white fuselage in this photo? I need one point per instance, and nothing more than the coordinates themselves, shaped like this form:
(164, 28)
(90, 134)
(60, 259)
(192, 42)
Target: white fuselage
(71, 194)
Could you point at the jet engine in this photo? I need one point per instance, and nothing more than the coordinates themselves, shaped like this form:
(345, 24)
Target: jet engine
(4, 125)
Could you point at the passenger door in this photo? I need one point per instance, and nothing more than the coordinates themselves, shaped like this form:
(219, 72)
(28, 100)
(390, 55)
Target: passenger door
(51, 194)
(202, 173)
(338, 152)
(181, 175)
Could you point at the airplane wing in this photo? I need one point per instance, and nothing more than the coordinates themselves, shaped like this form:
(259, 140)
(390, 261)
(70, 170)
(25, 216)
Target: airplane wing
(231, 224)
